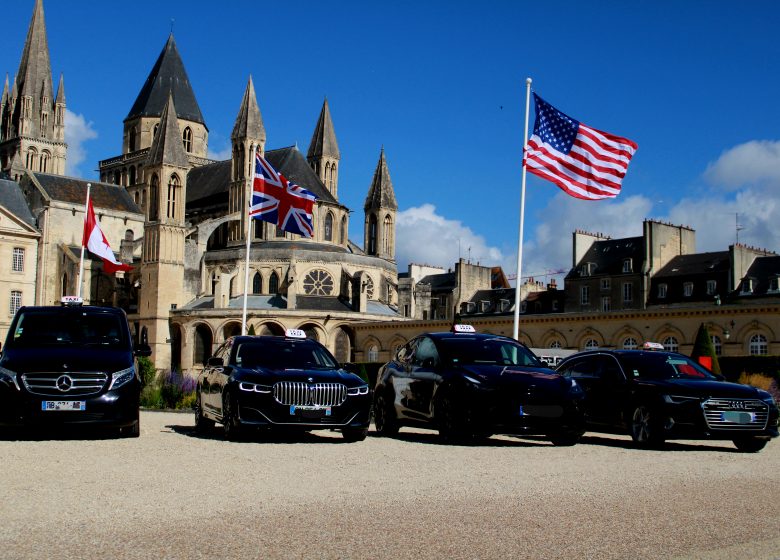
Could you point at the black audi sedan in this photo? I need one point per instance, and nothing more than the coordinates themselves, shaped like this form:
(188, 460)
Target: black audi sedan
(470, 385)
(656, 395)
(70, 366)
(282, 383)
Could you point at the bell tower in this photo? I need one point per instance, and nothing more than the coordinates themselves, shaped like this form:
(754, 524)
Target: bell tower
(380, 210)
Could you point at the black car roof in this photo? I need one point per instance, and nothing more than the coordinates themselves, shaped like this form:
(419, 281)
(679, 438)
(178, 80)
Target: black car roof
(620, 352)
(70, 308)
(476, 336)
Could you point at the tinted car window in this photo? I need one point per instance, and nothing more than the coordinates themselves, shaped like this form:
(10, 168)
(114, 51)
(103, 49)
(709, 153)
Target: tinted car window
(283, 354)
(663, 366)
(426, 352)
(584, 367)
(487, 351)
(78, 327)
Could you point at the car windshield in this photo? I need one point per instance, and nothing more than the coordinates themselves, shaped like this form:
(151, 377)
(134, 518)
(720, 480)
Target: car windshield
(283, 354)
(75, 327)
(650, 365)
(487, 351)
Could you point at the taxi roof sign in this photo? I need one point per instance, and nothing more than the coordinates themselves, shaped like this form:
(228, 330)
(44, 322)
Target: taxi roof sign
(295, 333)
(71, 300)
(463, 329)
(653, 346)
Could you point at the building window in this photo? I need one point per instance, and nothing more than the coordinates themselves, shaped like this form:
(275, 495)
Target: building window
(18, 260)
(717, 344)
(591, 344)
(687, 289)
(628, 292)
(329, 227)
(173, 187)
(662, 291)
(371, 247)
(279, 232)
(747, 286)
(259, 229)
(386, 237)
(556, 344)
(273, 284)
(627, 265)
(630, 343)
(318, 283)
(587, 269)
(606, 284)
(373, 353)
(45, 157)
(606, 303)
(154, 199)
(16, 301)
(774, 284)
(670, 344)
(186, 137)
(758, 345)
(257, 284)
(712, 285)
(584, 295)
(343, 232)
(406, 309)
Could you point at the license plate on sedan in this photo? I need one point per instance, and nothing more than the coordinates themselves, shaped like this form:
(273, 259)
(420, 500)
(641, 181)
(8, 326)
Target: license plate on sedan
(310, 411)
(63, 405)
(736, 417)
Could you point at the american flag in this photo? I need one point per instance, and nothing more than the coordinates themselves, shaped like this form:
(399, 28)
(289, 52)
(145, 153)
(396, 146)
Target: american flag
(584, 162)
(276, 200)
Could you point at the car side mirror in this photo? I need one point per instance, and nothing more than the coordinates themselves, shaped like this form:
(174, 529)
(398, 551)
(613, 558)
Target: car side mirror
(142, 350)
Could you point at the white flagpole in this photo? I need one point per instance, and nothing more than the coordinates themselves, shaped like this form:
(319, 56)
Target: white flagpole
(519, 280)
(81, 261)
(248, 239)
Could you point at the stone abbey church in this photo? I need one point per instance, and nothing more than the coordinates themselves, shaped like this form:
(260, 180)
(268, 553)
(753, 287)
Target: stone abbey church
(180, 218)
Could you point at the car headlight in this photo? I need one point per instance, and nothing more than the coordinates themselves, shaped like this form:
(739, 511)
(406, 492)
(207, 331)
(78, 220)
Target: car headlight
(254, 387)
(355, 391)
(472, 380)
(8, 377)
(679, 399)
(119, 378)
(767, 397)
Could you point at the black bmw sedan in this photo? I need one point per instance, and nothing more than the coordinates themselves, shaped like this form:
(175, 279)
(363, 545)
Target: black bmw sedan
(280, 382)
(470, 385)
(656, 395)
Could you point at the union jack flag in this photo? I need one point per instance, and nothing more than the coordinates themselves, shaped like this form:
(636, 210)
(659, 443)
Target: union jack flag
(276, 200)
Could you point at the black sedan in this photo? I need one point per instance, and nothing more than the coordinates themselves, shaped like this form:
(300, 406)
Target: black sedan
(655, 396)
(289, 382)
(470, 385)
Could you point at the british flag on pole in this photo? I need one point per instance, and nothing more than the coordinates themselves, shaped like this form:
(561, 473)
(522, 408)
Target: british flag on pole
(276, 200)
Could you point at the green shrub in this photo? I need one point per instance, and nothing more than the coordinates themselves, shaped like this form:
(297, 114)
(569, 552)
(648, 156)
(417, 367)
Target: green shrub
(146, 371)
(187, 402)
(151, 397)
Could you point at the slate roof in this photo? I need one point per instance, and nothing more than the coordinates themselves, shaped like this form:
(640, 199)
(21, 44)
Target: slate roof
(208, 182)
(444, 281)
(291, 163)
(608, 256)
(70, 189)
(12, 198)
(696, 264)
(763, 270)
(167, 76)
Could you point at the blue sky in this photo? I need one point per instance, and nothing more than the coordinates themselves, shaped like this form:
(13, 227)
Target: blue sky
(440, 84)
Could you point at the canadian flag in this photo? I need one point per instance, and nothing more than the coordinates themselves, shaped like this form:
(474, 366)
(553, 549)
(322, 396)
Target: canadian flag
(96, 242)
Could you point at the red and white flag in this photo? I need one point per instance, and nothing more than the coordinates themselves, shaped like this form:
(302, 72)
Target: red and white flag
(96, 242)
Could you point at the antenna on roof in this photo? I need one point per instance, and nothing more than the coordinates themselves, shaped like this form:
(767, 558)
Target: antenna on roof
(737, 226)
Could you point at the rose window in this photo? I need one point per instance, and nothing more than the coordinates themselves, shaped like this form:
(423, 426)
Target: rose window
(318, 283)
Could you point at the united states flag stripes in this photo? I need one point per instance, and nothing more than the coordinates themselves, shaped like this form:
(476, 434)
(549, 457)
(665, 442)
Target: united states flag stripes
(584, 162)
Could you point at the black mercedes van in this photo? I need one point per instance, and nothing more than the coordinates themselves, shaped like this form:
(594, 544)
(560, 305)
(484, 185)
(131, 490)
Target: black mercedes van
(72, 365)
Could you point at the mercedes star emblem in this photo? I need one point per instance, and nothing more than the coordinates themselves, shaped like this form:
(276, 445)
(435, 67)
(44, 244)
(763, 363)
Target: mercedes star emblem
(64, 383)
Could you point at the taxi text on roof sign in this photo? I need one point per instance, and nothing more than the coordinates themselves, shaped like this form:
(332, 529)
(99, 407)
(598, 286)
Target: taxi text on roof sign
(295, 333)
(463, 329)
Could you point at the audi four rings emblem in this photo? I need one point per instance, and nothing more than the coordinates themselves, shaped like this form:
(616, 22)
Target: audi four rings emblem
(64, 383)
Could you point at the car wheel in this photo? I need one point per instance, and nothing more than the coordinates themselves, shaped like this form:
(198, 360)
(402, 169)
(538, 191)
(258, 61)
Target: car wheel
(231, 423)
(131, 431)
(202, 424)
(453, 426)
(750, 444)
(354, 434)
(384, 419)
(645, 429)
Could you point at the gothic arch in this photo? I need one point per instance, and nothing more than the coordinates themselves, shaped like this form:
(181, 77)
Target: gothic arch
(230, 328)
(269, 328)
(203, 341)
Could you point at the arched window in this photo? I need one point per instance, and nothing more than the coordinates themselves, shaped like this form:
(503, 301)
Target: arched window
(214, 280)
(387, 238)
(556, 344)
(717, 344)
(173, 188)
(343, 232)
(325, 177)
(202, 344)
(273, 284)
(154, 199)
(45, 157)
(131, 176)
(186, 138)
(371, 245)
(333, 178)
(32, 159)
(630, 343)
(329, 227)
(373, 353)
(591, 344)
(758, 345)
(670, 344)
(131, 140)
(257, 284)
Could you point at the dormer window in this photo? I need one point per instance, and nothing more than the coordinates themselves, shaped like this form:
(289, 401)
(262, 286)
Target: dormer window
(484, 306)
(774, 284)
(587, 269)
(712, 286)
(504, 304)
(662, 288)
(687, 289)
(627, 265)
(468, 307)
(747, 286)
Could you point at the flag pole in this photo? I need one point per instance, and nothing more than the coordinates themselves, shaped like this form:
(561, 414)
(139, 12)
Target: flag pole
(81, 261)
(248, 241)
(519, 280)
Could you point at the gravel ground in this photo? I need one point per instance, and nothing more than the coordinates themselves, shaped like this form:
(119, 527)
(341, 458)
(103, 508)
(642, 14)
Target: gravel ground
(172, 494)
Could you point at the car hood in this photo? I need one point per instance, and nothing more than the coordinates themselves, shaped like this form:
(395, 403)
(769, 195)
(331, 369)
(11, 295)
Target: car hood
(514, 377)
(66, 358)
(269, 375)
(704, 388)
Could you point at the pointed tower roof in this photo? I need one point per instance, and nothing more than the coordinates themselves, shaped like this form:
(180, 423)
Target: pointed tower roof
(5, 93)
(323, 141)
(167, 146)
(35, 67)
(249, 123)
(168, 76)
(381, 193)
(61, 91)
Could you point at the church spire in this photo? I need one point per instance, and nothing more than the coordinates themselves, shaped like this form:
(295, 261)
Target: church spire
(35, 67)
(381, 193)
(249, 122)
(323, 155)
(380, 209)
(167, 146)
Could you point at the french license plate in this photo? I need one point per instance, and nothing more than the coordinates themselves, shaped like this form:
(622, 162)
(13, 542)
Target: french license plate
(736, 417)
(310, 411)
(63, 405)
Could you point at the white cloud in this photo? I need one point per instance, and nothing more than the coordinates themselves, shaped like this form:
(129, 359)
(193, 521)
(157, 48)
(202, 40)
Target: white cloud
(77, 131)
(221, 155)
(753, 163)
(425, 237)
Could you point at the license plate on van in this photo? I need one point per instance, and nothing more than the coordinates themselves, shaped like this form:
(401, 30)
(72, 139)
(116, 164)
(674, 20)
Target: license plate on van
(63, 405)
